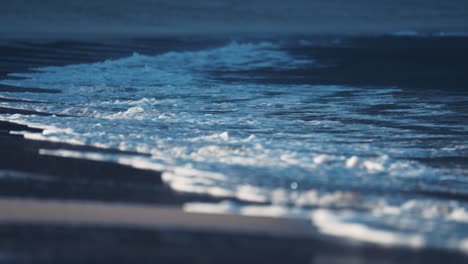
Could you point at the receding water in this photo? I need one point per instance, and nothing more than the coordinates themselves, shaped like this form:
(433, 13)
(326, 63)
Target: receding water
(376, 163)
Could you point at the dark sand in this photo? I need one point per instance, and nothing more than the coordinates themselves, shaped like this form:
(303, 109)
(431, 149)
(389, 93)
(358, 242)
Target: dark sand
(109, 213)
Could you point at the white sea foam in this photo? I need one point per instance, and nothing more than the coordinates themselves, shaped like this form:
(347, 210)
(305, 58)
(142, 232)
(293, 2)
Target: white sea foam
(387, 229)
(74, 154)
(284, 150)
(431, 209)
(329, 223)
(276, 211)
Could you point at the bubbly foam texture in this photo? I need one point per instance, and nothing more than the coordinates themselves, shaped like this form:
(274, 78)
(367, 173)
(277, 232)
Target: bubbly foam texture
(329, 223)
(351, 159)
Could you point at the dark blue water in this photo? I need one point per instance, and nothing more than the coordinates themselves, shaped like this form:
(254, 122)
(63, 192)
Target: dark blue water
(29, 18)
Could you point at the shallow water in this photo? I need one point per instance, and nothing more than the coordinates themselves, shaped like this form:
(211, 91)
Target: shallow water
(383, 164)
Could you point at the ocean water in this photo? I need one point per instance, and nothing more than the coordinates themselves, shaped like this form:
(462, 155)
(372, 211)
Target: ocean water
(245, 121)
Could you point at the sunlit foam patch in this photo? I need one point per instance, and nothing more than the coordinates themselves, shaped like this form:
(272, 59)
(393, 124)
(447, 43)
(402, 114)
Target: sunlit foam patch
(401, 230)
(339, 224)
(229, 207)
(135, 161)
(416, 224)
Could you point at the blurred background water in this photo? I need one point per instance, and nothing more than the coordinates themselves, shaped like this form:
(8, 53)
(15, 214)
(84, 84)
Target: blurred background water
(29, 18)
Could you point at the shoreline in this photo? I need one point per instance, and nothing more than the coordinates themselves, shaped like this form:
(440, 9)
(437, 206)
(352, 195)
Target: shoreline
(24, 169)
(127, 210)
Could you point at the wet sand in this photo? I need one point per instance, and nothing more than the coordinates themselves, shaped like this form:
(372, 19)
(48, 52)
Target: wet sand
(149, 217)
